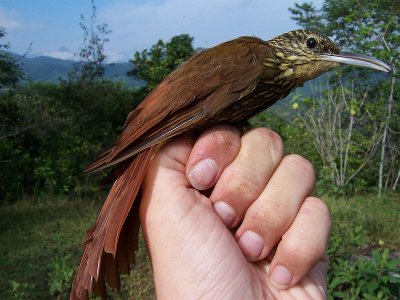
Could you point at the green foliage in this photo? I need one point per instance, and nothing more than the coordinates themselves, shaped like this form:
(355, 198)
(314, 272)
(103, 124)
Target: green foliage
(307, 15)
(358, 267)
(375, 277)
(61, 276)
(10, 71)
(19, 291)
(41, 244)
(32, 234)
(370, 26)
(51, 132)
(155, 64)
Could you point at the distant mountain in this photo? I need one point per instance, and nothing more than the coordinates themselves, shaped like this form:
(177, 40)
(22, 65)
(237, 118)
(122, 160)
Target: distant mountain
(61, 53)
(50, 69)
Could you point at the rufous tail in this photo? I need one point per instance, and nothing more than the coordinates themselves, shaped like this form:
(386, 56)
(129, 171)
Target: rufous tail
(111, 243)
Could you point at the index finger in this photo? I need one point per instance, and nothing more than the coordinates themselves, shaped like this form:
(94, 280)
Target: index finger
(215, 149)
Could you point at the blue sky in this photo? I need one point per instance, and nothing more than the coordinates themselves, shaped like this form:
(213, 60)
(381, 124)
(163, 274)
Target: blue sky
(138, 24)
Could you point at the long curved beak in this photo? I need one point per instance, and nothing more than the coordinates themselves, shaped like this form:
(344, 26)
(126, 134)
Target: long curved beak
(357, 60)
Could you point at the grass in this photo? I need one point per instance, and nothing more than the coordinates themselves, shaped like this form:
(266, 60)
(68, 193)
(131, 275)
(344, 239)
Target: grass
(367, 220)
(39, 238)
(41, 242)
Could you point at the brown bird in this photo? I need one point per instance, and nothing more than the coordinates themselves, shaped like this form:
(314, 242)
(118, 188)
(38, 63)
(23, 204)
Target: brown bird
(226, 84)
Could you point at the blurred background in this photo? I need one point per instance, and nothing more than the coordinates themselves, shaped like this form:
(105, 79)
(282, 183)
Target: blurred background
(71, 71)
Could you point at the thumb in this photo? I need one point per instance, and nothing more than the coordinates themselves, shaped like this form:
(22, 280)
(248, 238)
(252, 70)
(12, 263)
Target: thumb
(166, 174)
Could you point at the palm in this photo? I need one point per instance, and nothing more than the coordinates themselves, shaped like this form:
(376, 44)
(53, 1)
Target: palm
(255, 273)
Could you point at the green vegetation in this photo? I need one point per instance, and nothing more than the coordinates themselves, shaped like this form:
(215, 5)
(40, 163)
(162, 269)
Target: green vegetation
(155, 64)
(10, 71)
(41, 243)
(364, 248)
(50, 132)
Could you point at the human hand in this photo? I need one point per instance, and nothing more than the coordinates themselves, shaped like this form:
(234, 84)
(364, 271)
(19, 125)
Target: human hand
(252, 233)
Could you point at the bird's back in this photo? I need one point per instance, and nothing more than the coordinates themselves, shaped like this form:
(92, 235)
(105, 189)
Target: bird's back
(201, 89)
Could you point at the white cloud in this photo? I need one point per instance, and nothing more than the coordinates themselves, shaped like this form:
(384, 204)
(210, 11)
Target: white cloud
(9, 19)
(111, 57)
(59, 54)
(116, 57)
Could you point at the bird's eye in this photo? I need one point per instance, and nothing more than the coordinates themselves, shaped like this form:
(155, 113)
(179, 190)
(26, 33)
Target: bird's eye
(311, 43)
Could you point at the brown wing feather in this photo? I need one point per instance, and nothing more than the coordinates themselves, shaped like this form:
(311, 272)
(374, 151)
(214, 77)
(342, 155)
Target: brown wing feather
(234, 65)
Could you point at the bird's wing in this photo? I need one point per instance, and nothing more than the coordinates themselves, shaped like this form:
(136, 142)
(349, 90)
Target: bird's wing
(206, 84)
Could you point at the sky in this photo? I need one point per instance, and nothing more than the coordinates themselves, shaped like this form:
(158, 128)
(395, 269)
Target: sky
(137, 24)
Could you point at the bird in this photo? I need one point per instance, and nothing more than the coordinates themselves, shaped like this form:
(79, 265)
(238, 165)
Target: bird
(225, 84)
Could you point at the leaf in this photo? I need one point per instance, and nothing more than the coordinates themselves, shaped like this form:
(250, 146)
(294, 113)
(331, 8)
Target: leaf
(372, 286)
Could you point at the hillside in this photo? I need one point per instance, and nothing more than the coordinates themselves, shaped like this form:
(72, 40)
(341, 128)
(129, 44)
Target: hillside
(48, 69)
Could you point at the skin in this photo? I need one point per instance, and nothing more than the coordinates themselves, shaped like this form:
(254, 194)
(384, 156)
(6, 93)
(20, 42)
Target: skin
(253, 232)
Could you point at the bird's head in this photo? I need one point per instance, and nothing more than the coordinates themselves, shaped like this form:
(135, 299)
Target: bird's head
(304, 54)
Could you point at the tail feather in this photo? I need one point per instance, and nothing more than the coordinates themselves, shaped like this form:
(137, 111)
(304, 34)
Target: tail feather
(122, 208)
(100, 161)
(112, 242)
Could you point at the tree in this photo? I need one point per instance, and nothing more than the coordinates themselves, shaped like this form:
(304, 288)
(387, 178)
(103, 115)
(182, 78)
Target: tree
(334, 118)
(91, 65)
(370, 27)
(10, 71)
(308, 16)
(155, 64)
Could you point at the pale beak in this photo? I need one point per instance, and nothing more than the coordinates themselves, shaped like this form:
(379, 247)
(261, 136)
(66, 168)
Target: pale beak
(357, 60)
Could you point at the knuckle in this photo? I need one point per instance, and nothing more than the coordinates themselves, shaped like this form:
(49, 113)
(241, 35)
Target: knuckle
(300, 165)
(241, 188)
(267, 143)
(271, 138)
(301, 250)
(221, 143)
(308, 241)
(317, 204)
(319, 207)
(243, 184)
(276, 217)
(224, 136)
(278, 222)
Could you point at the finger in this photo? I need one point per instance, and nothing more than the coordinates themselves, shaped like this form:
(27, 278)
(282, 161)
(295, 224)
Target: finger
(245, 178)
(172, 156)
(271, 215)
(166, 175)
(213, 151)
(303, 245)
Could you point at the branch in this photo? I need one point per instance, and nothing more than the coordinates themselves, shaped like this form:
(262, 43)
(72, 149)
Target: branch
(17, 132)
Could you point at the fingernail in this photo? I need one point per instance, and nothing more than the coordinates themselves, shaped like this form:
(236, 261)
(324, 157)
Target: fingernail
(225, 212)
(251, 244)
(281, 276)
(203, 174)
